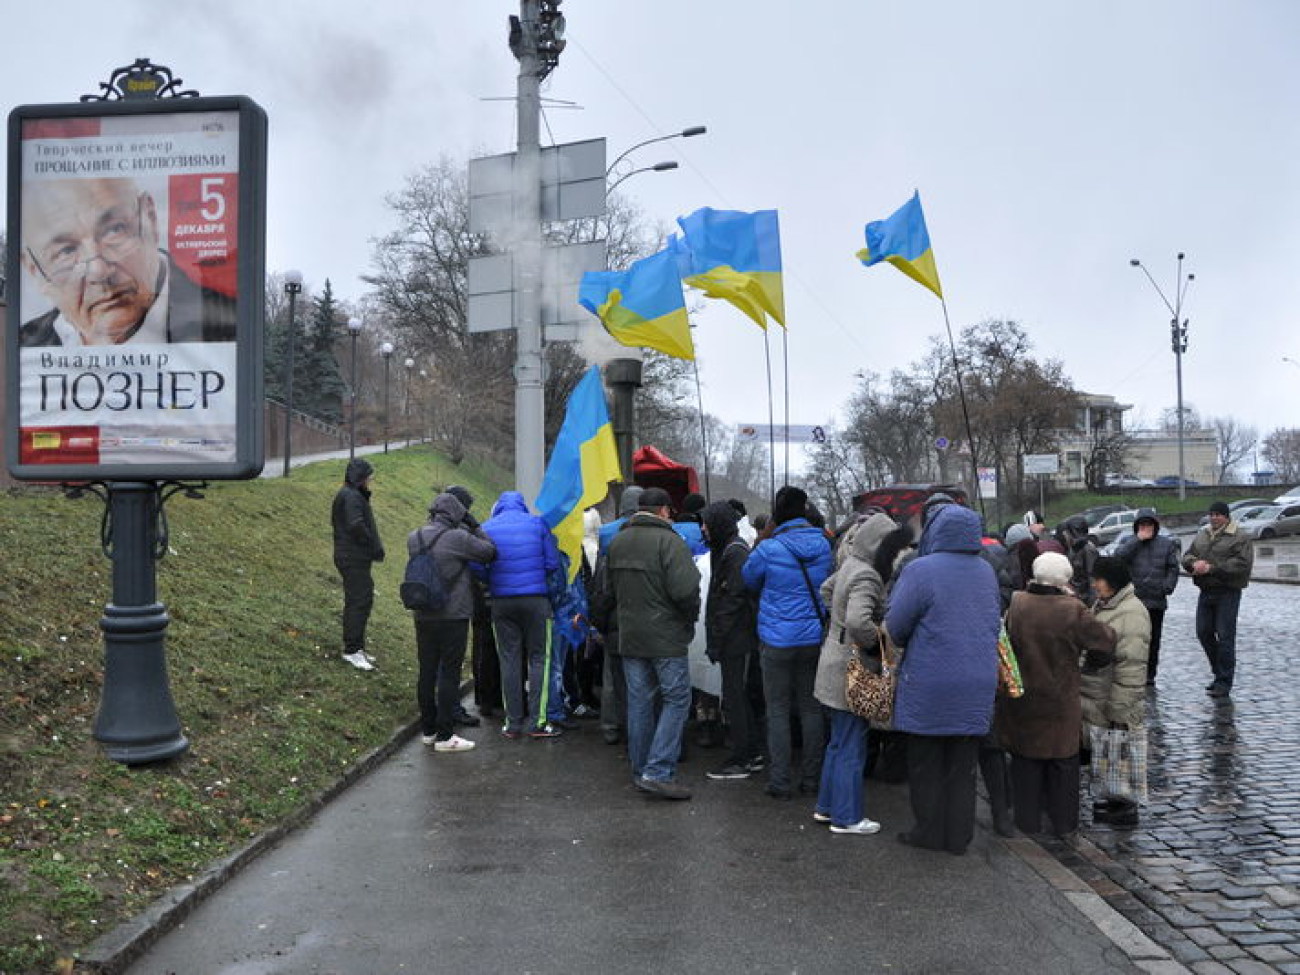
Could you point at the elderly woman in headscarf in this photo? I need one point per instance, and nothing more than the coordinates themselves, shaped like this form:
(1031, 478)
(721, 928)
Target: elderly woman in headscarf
(1115, 697)
(855, 595)
(1051, 631)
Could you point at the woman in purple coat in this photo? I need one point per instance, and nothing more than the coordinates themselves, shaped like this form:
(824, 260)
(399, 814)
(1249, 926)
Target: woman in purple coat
(945, 612)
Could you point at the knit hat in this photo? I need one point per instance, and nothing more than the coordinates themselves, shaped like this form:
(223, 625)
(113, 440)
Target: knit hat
(693, 503)
(653, 498)
(1220, 508)
(1052, 569)
(462, 495)
(790, 503)
(1016, 534)
(1112, 571)
(627, 504)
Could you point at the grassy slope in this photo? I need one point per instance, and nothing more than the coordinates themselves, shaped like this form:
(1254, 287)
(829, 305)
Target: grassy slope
(271, 713)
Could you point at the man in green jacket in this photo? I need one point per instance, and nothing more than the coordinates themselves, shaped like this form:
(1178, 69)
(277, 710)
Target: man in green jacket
(1220, 560)
(656, 589)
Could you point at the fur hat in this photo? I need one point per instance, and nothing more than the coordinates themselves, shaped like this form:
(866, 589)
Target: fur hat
(1113, 571)
(1052, 569)
(1220, 508)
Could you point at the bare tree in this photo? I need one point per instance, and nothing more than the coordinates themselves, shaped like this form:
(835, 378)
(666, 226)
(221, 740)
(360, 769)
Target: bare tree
(893, 429)
(1236, 442)
(1282, 450)
(834, 476)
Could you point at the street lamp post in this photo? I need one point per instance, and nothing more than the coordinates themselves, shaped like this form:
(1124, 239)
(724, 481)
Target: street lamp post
(659, 167)
(686, 133)
(409, 364)
(1178, 341)
(386, 350)
(354, 329)
(293, 288)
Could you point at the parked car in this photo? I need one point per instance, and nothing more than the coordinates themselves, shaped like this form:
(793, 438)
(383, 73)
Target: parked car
(1096, 514)
(1111, 527)
(1237, 508)
(1291, 497)
(1171, 480)
(1112, 547)
(1126, 481)
(1278, 519)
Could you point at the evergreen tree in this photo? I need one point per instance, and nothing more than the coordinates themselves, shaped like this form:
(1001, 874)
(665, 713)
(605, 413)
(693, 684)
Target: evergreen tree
(318, 384)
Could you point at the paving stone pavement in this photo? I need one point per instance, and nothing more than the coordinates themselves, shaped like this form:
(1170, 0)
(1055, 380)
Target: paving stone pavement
(1212, 873)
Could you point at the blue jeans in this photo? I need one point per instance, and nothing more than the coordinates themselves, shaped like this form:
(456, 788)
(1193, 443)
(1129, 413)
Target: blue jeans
(788, 677)
(653, 746)
(840, 796)
(1216, 628)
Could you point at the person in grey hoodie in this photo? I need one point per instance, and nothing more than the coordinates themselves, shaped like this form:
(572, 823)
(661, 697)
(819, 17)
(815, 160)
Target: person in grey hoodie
(357, 547)
(441, 634)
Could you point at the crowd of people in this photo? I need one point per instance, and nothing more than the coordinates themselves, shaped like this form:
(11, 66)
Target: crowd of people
(784, 606)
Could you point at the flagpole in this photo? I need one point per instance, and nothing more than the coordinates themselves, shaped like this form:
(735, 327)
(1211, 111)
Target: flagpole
(704, 435)
(965, 412)
(771, 423)
(785, 361)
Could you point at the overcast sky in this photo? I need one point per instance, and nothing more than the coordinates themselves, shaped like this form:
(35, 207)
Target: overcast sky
(1050, 142)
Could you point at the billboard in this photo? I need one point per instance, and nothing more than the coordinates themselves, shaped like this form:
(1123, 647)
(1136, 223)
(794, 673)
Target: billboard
(136, 268)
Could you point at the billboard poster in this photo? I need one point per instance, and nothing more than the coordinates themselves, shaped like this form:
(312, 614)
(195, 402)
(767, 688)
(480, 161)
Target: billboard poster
(136, 315)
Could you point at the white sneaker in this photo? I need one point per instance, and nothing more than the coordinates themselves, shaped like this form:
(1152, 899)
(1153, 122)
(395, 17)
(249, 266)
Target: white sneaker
(429, 739)
(820, 817)
(370, 660)
(359, 661)
(458, 744)
(864, 828)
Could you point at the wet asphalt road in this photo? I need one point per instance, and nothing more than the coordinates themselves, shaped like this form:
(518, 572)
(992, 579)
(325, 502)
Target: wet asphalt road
(541, 857)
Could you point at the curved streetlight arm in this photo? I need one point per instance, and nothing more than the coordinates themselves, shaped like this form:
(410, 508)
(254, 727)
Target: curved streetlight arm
(683, 134)
(1142, 267)
(660, 167)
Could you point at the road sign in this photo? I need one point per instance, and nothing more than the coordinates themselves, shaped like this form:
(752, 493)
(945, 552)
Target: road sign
(491, 290)
(988, 482)
(942, 443)
(1041, 463)
(573, 187)
(804, 433)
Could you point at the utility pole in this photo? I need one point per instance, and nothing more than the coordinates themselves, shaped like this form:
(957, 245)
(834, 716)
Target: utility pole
(536, 39)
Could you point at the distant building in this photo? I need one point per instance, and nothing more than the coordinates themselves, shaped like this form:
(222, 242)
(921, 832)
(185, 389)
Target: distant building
(1152, 454)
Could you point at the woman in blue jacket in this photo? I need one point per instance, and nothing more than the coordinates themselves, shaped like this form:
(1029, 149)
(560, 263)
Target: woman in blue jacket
(786, 570)
(945, 612)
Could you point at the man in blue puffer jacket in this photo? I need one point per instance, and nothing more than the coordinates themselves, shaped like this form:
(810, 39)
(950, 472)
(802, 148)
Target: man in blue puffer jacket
(787, 570)
(521, 611)
(945, 612)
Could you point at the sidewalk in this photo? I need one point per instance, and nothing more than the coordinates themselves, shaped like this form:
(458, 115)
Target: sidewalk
(541, 857)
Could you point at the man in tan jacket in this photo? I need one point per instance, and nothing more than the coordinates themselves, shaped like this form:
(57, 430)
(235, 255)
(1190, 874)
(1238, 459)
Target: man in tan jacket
(1220, 560)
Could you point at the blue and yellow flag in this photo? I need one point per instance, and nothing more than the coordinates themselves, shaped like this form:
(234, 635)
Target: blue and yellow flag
(736, 256)
(643, 305)
(903, 241)
(583, 463)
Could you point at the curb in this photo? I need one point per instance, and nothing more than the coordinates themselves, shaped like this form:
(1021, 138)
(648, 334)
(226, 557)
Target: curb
(1090, 901)
(113, 951)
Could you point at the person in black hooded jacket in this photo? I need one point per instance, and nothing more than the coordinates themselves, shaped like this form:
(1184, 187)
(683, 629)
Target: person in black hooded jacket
(357, 547)
(731, 631)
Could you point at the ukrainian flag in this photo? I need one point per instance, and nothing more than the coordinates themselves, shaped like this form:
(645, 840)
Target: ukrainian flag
(643, 305)
(583, 463)
(903, 241)
(737, 257)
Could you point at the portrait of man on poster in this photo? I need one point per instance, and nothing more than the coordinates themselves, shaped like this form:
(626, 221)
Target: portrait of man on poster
(94, 250)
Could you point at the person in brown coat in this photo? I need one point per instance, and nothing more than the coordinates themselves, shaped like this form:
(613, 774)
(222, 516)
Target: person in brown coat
(1051, 632)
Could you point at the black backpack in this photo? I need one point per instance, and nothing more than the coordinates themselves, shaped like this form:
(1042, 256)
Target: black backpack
(422, 587)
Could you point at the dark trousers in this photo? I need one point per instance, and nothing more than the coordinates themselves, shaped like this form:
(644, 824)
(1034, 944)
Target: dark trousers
(486, 666)
(441, 648)
(1216, 628)
(746, 743)
(522, 625)
(613, 691)
(1045, 785)
(941, 782)
(358, 600)
(1153, 654)
(788, 677)
(997, 781)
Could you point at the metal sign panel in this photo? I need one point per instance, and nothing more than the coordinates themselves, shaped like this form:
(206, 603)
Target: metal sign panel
(1041, 463)
(572, 186)
(562, 271)
(165, 379)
